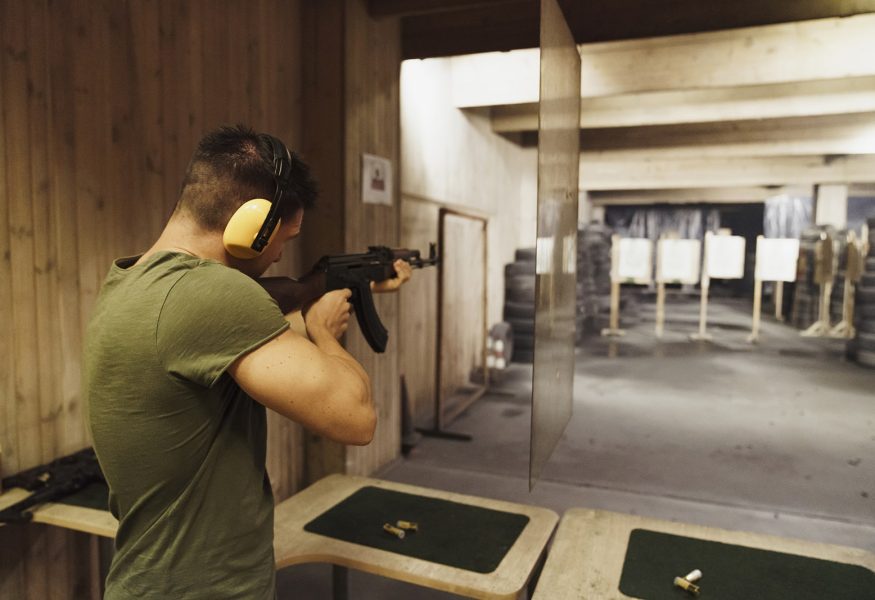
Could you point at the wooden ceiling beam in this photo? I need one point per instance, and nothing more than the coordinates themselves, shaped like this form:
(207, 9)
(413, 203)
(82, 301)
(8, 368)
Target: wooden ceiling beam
(606, 174)
(784, 100)
(826, 49)
(834, 134)
(772, 54)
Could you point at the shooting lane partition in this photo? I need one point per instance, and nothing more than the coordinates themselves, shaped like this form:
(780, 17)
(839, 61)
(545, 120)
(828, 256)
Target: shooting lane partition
(724, 259)
(631, 262)
(776, 261)
(677, 261)
(844, 329)
(824, 271)
(556, 259)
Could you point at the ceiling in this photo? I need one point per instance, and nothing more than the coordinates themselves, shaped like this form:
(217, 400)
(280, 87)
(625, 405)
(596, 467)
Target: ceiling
(432, 28)
(690, 94)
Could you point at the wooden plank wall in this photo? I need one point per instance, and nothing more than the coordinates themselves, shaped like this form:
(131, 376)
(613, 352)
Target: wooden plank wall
(101, 104)
(373, 69)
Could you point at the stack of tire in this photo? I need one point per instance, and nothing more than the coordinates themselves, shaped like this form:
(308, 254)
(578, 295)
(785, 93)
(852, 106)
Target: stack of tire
(806, 293)
(593, 279)
(519, 304)
(862, 348)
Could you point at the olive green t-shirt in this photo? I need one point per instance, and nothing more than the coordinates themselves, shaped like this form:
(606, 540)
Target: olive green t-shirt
(181, 445)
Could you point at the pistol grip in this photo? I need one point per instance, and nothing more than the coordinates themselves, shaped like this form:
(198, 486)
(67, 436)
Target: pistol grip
(369, 321)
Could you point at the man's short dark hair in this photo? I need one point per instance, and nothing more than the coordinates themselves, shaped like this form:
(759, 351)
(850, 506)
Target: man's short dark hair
(232, 165)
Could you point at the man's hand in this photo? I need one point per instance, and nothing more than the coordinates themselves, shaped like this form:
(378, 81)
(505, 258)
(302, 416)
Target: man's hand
(329, 314)
(403, 272)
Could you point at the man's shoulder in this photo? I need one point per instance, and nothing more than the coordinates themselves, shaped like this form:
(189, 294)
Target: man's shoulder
(213, 278)
(209, 286)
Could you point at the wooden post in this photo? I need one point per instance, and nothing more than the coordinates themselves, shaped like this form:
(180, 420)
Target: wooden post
(705, 284)
(660, 291)
(660, 309)
(614, 323)
(757, 308)
(757, 295)
(613, 329)
(703, 312)
(779, 300)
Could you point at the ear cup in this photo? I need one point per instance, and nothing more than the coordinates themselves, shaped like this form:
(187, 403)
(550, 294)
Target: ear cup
(243, 228)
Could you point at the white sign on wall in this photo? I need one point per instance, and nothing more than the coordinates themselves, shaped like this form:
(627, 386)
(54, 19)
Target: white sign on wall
(376, 180)
(724, 256)
(635, 260)
(678, 261)
(776, 259)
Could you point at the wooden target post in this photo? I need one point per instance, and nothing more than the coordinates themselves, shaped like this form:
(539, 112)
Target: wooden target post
(677, 261)
(844, 329)
(631, 262)
(723, 259)
(775, 261)
(779, 301)
(824, 271)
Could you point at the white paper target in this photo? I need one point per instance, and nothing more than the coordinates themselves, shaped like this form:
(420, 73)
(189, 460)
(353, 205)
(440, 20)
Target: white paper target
(724, 256)
(776, 259)
(635, 262)
(679, 261)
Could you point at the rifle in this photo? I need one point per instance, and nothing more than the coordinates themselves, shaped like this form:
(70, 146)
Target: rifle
(353, 271)
(53, 481)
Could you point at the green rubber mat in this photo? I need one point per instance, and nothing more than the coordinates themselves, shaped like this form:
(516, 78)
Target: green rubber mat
(450, 533)
(732, 572)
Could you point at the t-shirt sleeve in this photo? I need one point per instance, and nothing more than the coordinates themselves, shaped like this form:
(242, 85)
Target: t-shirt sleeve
(211, 316)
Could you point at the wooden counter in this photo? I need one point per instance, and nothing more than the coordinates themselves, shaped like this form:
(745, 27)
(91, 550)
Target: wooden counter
(587, 555)
(293, 545)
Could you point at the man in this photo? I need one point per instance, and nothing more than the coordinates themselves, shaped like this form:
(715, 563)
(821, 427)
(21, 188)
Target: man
(184, 352)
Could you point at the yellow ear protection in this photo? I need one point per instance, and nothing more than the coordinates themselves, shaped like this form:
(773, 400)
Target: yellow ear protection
(254, 224)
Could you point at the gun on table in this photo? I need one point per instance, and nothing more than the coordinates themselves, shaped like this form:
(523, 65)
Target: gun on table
(56, 480)
(353, 271)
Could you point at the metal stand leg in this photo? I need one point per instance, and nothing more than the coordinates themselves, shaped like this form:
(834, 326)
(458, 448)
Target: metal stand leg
(339, 582)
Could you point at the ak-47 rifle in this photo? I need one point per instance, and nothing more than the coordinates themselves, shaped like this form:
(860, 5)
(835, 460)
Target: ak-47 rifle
(53, 481)
(353, 271)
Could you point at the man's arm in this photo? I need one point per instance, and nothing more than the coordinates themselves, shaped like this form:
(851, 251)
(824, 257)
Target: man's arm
(315, 383)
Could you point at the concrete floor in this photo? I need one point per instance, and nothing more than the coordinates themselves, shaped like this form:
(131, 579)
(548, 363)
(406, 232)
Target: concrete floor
(777, 438)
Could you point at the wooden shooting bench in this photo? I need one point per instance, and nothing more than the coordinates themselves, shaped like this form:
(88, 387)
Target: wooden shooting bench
(69, 514)
(475, 547)
(466, 545)
(603, 555)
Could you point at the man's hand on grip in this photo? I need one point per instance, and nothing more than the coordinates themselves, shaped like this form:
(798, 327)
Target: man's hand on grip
(329, 313)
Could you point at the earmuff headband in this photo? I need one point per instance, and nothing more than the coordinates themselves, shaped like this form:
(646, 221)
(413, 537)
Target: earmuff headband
(282, 166)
